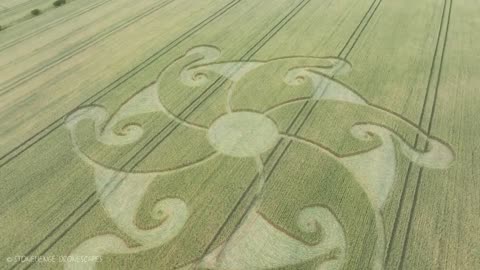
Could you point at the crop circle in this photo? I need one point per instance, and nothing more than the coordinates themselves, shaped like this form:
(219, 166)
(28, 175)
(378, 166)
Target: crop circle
(243, 134)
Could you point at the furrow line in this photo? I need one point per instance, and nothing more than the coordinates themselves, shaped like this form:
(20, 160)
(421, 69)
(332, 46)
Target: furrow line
(275, 29)
(307, 107)
(438, 62)
(431, 86)
(89, 199)
(213, 88)
(19, 149)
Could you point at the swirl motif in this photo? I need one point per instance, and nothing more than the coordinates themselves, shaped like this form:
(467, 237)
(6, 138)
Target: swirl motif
(248, 128)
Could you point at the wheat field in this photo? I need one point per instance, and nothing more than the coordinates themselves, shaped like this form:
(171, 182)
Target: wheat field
(240, 134)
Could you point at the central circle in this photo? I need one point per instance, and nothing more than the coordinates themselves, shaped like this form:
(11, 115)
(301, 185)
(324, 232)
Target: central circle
(243, 134)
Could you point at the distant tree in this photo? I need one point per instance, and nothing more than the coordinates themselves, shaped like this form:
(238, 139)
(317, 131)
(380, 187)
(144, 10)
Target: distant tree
(36, 12)
(59, 3)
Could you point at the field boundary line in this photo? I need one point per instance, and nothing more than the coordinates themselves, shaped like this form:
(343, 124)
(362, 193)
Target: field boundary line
(20, 79)
(10, 9)
(50, 25)
(56, 41)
